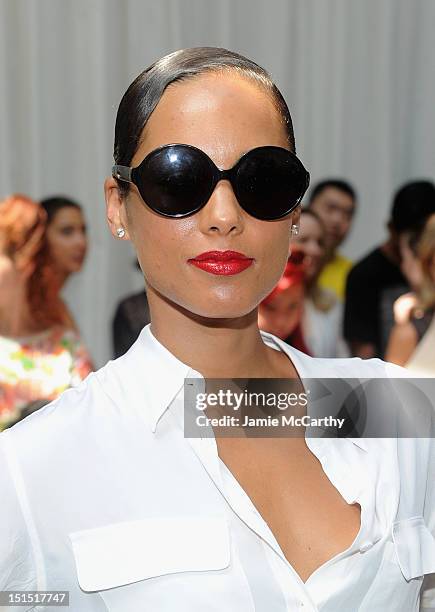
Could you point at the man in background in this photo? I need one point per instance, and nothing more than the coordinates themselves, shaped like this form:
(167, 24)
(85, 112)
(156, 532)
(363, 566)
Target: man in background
(376, 281)
(334, 201)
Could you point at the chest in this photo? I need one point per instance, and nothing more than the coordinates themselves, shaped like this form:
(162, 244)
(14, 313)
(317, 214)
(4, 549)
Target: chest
(305, 512)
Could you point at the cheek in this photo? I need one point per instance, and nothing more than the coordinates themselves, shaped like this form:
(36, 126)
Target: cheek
(164, 246)
(57, 245)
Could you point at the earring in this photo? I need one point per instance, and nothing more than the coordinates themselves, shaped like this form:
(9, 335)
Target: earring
(121, 232)
(295, 229)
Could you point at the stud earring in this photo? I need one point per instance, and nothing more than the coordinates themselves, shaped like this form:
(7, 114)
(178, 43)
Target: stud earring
(295, 230)
(121, 232)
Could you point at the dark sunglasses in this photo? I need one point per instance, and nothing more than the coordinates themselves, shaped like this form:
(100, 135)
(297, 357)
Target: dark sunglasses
(177, 180)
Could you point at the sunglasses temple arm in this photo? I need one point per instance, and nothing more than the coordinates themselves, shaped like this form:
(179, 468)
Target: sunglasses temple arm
(122, 173)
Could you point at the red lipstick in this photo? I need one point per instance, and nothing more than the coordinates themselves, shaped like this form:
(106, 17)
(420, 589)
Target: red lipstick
(222, 262)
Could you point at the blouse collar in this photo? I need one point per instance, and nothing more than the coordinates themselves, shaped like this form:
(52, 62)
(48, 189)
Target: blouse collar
(157, 375)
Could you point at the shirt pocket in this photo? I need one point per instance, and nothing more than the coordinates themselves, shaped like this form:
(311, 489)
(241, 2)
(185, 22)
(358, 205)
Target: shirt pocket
(408, 555)
(162, 564)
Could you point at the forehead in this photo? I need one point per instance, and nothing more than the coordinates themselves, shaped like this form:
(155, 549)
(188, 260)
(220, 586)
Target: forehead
(224, 114)
(310, 224)
(67, 215)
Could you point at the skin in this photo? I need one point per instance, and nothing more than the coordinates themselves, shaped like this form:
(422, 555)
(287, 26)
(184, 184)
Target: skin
(211, 322)
(15, 315)
(335, 208)
(310, 240)
(66, 237)
(218, 314)
(403, 338)
(281, 315)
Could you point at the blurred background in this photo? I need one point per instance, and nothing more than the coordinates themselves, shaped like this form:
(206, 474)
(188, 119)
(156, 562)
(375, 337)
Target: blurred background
(358, 76)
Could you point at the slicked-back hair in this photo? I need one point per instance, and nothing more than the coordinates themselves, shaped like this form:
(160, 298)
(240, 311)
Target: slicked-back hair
(145, 92)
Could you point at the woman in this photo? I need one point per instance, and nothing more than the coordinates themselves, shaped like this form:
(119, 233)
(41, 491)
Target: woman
(140, 517)
(323, 314)
(280, 313)
(40, 355)
(66, 235)
(412, 339)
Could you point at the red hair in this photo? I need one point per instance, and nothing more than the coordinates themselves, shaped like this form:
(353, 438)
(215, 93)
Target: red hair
(22, 238)
(22, 227)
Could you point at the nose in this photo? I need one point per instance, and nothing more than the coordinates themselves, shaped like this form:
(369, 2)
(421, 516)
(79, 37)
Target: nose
(222, 215)
(80, 240)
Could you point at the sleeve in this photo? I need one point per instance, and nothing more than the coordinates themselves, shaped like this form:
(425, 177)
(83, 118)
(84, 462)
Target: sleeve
(17, 565)
(427, 598)
(360, 309)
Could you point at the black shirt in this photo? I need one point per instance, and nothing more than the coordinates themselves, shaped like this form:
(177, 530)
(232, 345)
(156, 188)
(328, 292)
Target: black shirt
(372, 287)
(132, 314)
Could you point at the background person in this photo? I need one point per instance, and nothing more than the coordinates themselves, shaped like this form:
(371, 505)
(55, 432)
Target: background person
(376, 281)
(280, 313)
(334, 201)
(322, 317)
(412, 340)
(66, 235)
(40, 354)
(131, 315)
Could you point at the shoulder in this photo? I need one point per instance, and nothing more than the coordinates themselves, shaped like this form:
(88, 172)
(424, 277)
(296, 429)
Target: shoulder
(65, 416)
(342, 262)
(366, 264)
(106, 400)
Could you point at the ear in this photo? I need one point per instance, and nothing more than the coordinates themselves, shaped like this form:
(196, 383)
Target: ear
(115, 209)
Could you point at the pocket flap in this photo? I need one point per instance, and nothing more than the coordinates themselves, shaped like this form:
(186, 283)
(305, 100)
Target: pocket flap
(415, 547)
(123, 553)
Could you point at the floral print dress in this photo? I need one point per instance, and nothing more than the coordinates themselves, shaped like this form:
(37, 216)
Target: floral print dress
(38, 368)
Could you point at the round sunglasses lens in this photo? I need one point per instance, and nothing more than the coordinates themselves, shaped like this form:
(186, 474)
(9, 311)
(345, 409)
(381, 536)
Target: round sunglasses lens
(270, 182)
(175, 181)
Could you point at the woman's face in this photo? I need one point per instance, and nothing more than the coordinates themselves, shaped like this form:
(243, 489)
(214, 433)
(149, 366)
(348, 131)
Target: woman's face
(225, 116)
(310, 241)
(281, 315)
(66, 239)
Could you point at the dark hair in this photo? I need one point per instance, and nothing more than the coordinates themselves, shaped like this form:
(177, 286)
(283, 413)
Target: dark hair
(55, 203)
(413, 203)
(339, 184)
(143, 95)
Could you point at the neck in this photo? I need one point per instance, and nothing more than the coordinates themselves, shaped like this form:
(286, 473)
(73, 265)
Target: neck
(330, 254)
(217, 348)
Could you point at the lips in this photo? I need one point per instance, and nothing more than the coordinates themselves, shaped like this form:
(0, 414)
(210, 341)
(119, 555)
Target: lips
(223, 263)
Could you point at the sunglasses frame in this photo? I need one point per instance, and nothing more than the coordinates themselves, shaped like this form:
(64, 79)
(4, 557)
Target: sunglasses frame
(128, 174)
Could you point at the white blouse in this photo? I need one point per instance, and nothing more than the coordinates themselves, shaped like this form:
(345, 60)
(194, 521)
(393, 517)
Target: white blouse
(103, 496)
